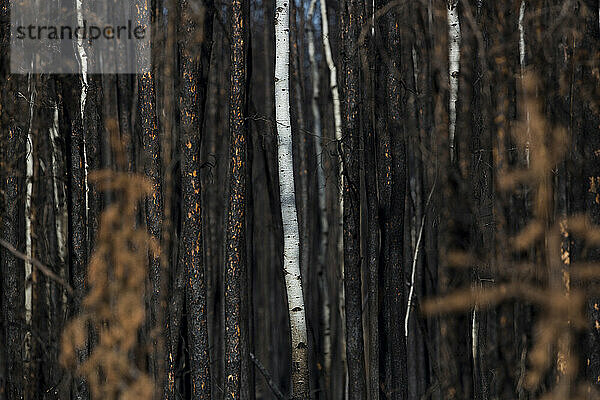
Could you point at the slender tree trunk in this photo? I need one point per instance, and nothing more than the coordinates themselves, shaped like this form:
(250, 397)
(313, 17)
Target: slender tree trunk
(325, 315)
(11, 229)
(333, 84)
(124, 105)
(454, 39)
(394, 217)
(372, 207)
(29, 209)
(352, 17)
(195, 48)
(4, 119)
(77, 205)
(58, 299)
(291, 239)
(236, 220)
(337, 127)
(384, 185)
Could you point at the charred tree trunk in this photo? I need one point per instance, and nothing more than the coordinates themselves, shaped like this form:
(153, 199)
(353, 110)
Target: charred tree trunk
(392, 192)
(194, 55)
(372, 208)
(72, 128)
(14, 134)
(352, 17)
(235, 273)
(147, 121)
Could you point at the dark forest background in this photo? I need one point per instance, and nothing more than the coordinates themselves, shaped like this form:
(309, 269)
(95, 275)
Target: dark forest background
(446, 181)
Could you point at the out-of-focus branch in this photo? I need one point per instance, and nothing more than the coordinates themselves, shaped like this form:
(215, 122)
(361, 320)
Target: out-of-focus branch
(36, 263)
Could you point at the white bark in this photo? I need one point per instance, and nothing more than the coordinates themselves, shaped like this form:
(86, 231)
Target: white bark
(83, 66)
(522, 65)
(82, 59)
(60, 210)
(521, 35)
(62, 218)
(414, 263)
(314, 68)
(28, 190)
(474, 333)
(373, 18)
(291, 237)
(453, 68)
(337, 114)
(335, 94)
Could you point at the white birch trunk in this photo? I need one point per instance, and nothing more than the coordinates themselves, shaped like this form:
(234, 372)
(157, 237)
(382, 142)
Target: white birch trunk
(453, 68)
(291, 237)
(337, 119)
(28, 193)
(59, 208)
(522, 66)
(474, 333)
(83, 65)
(314, 68)
(335, 94)
(522, 35)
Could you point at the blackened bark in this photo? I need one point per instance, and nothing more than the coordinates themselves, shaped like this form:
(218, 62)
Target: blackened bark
(147, 119)
(394, 219)
(14, 133)
(124, 106)
(481, 185)
(372, 208)
(352, 17)
(46, 303)
(235, 272)
(384, 185)
(72, 127)
(588, 122)
(92, 130)
(194, 64)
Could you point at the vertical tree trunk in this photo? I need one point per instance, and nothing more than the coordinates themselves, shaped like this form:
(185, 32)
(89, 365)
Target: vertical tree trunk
(151, 161)
(337, 126)
(453, 70)
(337, 113)
(291, 240)
(235, 272)
(384, 185)
(124, 105)
(195, 48)
(325, 315)
(12, 269)
(58, 190)
(372, 206)
(393, 219)
(73, 127)
(352, 18)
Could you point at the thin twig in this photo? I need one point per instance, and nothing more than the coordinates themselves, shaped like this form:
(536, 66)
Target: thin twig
(41, 267)
(414, 263)
(272, 385)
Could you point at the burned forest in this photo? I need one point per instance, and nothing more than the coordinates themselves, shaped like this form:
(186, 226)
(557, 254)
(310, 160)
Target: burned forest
(300, 199)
